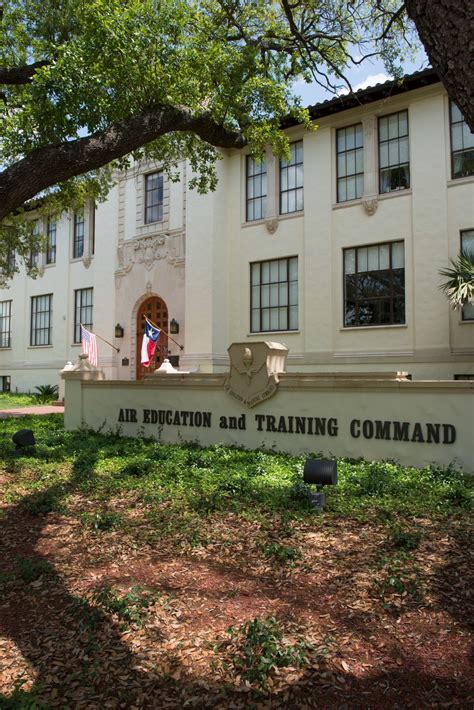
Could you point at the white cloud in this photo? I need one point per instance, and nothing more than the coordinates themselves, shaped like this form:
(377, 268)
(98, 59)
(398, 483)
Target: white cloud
(371, 80)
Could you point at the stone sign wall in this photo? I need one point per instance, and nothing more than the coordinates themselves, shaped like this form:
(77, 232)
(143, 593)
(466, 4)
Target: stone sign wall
(415, 423)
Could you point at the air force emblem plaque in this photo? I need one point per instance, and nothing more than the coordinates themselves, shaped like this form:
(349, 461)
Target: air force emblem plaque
(254, 370)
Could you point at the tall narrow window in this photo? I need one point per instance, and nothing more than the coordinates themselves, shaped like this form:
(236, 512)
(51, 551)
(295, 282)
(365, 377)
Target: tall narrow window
(154, 197)
(394, 156)
(291, 180)
(34, 252)
(83, 307)
(5, 324)
(350, 162)
(274, 295)
(92, 223)
(41, 319)
(51, 242)
(256, 189)
(467, 246)
(374, 285)
(78, 240)
(462, 145)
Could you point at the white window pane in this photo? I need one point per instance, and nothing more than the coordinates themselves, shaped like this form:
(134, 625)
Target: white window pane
(293, 293)
(283, 295)
(351, 163)
(349, 261)
(291, 201)
(393, 126)
(359, 166)
(341, 140)
(299, 199)
(468, 137)
(342, 193)
(383, 129)
(274, 295)
(393, 153)
(250, 189)
(350, 139)
(266, 319)
(384, 256)
(283, 270)
(404, 154)
(284, 180)
(255, 321)
(362, 259)
(291, 177)
(299, 176)
(255, 296)
(359, 185)
(293, 269)
(293, 325)
(398, 255)
(265, 296)
(403, 123)
(341, 165)
(273, 271)
(468, 311)
(299, 152)
(283, 319)
(456, 114)
(384, 155)
(467, 241)
(274, 324)
(263, 185)
(373, 259)
(351, 188)
(359, 135)
(265, 272)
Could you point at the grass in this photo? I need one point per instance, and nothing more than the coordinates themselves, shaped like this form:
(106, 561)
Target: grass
(11, 400)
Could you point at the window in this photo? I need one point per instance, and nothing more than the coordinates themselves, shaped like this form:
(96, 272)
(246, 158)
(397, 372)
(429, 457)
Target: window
(350, 162)
(394, 158)
(78, 239)
(291, 180)
(467, 245)
(5, 324)
(469, 378)
(83, 305)
(5, 383)
(51, 242)
(154, 197)
(256, 189)
(462, 145)
(374, 285)
(41, 319)
(34, 253)
(274, 295)
(92, 226)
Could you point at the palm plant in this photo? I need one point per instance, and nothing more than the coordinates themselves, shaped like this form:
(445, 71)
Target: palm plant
(459, 287)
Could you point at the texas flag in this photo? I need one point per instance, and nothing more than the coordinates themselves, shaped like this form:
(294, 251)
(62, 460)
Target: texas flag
(150, 339)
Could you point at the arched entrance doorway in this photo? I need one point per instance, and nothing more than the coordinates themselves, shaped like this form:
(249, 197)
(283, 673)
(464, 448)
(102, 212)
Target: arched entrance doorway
(154, 309)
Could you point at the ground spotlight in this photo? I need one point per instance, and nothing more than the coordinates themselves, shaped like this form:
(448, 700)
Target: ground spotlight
(319, 472)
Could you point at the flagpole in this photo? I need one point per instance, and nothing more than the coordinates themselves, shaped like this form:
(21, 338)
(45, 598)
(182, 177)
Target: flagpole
(181, 347)
(101, 338)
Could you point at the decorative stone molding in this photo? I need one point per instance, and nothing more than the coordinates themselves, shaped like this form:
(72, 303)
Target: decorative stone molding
(86, 261)
(148, 250)
(370, 204)
(271, 225)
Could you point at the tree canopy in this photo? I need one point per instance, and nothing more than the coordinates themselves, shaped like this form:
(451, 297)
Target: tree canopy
(86, 86)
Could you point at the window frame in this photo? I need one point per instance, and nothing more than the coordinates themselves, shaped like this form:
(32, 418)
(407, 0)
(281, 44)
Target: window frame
(34, 329)
(452, 151)
(262, 196)
(391, 296)
(284, 165)
(159, 204)
(289, 305)
(388, 140)
(6, 324)
(79, 311)
(51, 247)
(78, 240)
(345, 151)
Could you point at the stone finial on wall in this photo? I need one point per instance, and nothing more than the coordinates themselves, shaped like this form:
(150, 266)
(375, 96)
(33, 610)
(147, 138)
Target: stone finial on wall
(370, 204)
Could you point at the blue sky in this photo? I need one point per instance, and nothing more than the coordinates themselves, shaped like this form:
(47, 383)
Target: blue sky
(368, 73)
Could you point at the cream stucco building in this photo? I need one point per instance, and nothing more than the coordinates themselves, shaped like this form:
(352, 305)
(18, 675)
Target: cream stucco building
(335, 254)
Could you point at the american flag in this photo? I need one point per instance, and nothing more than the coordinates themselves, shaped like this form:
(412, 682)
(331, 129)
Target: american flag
(89, 346)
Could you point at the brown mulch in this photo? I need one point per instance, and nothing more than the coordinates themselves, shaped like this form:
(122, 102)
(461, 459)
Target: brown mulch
(372, 650)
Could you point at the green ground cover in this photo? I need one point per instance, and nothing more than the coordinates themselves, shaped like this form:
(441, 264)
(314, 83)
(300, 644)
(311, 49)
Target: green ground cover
(11, 400)
(209, 563)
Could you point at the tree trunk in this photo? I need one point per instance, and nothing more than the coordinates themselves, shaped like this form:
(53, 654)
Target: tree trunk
(446, 28)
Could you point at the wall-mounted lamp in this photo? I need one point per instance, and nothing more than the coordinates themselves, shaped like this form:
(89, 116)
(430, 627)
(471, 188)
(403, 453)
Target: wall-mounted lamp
(118, 331)
(125, 361)
(174, 327)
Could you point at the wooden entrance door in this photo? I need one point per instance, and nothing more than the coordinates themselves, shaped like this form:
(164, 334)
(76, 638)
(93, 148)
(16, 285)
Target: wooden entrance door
(154, 309)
